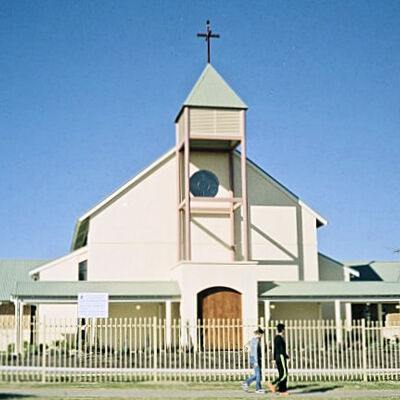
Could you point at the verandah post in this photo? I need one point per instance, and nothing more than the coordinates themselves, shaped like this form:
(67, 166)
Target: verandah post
(338, 322)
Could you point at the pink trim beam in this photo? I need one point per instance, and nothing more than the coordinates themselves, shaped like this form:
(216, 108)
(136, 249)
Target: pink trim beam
(245, 238)
(188, 246)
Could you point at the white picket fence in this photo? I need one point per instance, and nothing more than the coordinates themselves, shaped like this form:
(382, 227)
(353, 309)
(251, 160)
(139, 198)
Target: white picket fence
(131, 349)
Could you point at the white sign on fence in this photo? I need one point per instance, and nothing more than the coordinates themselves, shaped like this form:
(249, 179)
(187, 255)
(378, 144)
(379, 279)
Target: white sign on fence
(92, 305)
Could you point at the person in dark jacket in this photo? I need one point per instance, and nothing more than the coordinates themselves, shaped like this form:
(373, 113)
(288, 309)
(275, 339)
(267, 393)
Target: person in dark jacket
(280, 359)
(255, 361)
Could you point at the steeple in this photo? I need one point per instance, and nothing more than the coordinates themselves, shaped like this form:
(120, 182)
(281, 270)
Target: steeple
(212, 91)
(212, 121)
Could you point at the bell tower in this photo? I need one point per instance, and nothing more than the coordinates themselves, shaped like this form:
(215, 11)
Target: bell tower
(212, 123)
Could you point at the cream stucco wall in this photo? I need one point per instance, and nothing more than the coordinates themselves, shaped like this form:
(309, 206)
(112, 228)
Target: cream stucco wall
(210, 238)
(242, 277)
(115, 310)
(281, 228)
(135, 237)
(136, 310)
(328, 310)
(210, 234)
(295, 311)
(309, 246)
(330, 270)
(57, 311)
(65, 268)
(273, 233)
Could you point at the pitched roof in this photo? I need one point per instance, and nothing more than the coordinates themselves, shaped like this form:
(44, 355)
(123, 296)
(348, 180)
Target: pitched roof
(13, 270)
(338, 264)
(387, 271)
(70, 289)
(328, 290)
(211, 90)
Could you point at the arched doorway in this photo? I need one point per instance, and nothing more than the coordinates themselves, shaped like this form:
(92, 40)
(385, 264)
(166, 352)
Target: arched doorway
(219, 310)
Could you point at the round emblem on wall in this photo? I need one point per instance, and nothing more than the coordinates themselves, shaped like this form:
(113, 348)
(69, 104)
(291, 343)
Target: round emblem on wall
(204, 184)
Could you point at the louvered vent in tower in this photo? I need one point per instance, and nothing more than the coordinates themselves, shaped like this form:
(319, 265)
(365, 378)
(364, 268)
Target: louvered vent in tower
(212, 122)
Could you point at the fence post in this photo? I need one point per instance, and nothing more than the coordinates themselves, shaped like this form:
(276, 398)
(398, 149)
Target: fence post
(263, 363)
(168, 323)
(364, 349)
(155, 348)
(43, 349)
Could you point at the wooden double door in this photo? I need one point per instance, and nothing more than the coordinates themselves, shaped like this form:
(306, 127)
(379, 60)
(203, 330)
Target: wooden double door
(220, 313)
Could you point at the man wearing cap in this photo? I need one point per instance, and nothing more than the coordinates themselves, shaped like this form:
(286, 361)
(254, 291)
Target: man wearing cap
(280, 357)
(255, 361)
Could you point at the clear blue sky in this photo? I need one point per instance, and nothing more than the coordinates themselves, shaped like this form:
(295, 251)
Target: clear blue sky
(89, 91)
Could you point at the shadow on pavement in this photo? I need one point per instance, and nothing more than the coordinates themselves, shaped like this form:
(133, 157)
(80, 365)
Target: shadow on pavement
(320, 389)
(5, 396)
(300, 386)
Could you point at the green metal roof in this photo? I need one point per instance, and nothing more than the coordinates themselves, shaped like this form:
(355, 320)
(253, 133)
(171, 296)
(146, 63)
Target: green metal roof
(59, 289)
(387, 271)
(328, 289)
(211, 90)
(13, 270)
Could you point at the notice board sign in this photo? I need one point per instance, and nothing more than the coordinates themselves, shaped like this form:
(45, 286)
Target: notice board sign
(92, 305)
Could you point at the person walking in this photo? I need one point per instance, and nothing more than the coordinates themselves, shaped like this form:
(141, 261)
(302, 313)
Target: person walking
(280, 359)
(255, 361)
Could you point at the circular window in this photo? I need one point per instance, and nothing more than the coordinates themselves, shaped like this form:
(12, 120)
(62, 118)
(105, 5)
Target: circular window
(204, 184)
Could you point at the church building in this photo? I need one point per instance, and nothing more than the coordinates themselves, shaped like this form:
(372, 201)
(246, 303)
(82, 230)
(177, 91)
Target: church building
(203, 232)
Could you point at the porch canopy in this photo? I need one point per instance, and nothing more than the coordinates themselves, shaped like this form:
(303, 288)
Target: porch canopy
(56, 292)
(67, 291)
(329, 291)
